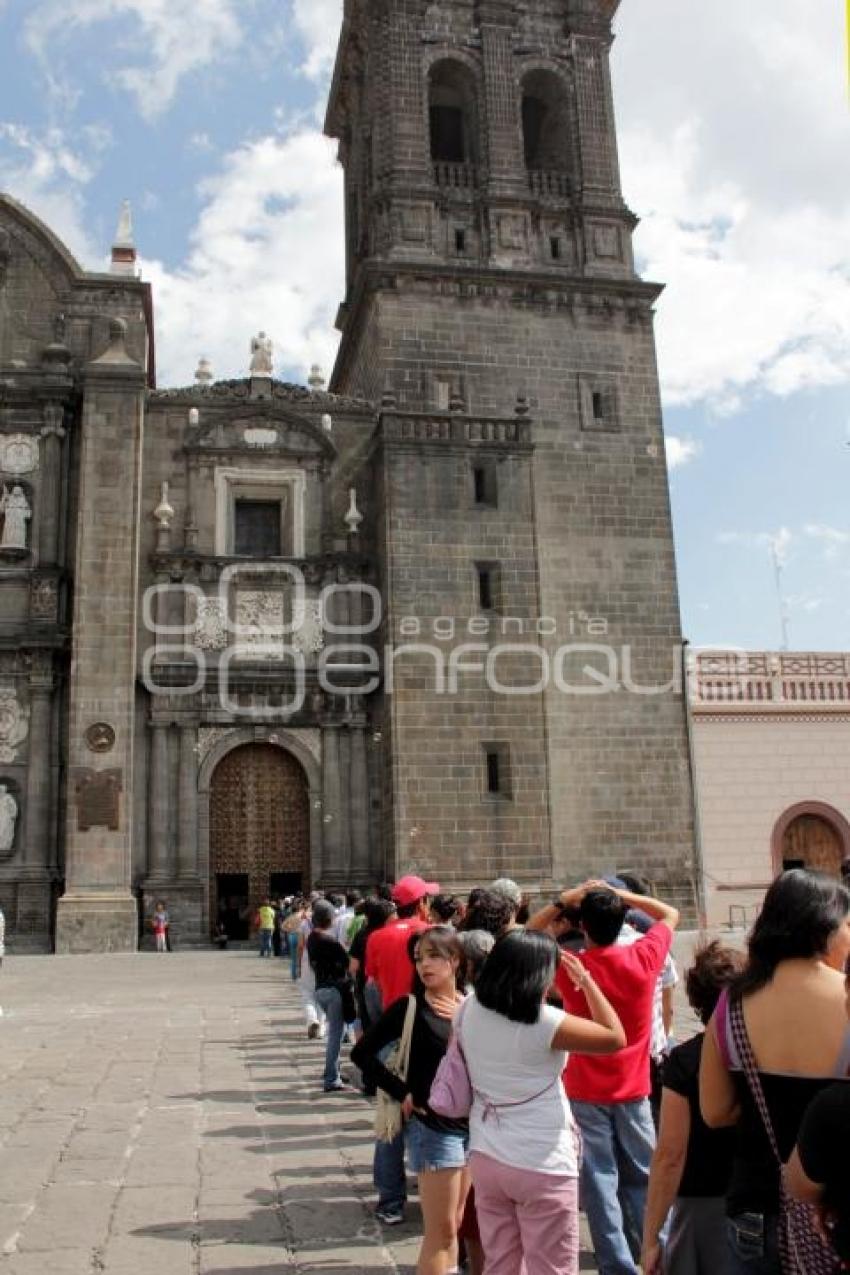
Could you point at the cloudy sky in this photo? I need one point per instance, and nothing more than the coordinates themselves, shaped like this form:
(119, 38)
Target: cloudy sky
(734, 125)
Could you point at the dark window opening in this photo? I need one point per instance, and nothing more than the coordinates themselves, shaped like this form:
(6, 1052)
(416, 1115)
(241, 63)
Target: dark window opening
(448, 143)
(598, 405)
(485, 485)
(460, 242)
(485, 589)
(489, 586)
(533, 118)
(497, 778)
(256, 528)
(555, 247)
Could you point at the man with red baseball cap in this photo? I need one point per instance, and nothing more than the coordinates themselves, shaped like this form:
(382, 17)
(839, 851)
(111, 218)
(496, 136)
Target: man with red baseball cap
(388, 962)
(390, 968)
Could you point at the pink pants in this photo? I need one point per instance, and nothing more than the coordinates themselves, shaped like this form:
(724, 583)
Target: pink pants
(525, 1217)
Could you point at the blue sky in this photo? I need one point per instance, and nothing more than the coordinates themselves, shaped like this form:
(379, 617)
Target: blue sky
(734, 132)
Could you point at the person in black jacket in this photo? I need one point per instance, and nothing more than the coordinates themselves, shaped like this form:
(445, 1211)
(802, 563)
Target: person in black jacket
(437, 1146)
(329, 962)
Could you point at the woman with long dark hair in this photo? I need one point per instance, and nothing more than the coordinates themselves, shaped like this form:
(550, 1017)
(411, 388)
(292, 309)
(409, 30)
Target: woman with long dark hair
(777, 1039)
(523, 1142)
(437, 1146)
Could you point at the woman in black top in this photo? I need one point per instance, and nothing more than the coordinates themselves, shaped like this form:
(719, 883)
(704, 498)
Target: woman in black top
(437, 1147)
(790, 999)
(329, 961)
(692, 1163)
(819, 1170)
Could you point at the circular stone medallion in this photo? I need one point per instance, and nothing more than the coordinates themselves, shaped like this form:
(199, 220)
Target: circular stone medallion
(100, 737)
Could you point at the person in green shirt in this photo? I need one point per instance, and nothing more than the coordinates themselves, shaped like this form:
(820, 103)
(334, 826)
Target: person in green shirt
(266, 927)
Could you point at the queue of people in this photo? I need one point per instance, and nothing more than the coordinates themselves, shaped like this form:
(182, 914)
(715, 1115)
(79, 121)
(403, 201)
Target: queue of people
(516, 1058)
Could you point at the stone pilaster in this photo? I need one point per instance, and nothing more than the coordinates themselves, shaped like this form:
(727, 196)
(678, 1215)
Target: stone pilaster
(98, 911)
(159, 864)
(332, 866)
(50, 498)
(361, 861)
(187, 845)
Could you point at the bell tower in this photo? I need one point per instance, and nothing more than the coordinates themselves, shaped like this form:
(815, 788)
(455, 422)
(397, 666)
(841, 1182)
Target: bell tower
(493, 309)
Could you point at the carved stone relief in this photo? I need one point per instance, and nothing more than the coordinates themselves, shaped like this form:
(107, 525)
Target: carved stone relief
(210, 633)
(44, 598)
(14, 724)
(308, 635)
(18, 454)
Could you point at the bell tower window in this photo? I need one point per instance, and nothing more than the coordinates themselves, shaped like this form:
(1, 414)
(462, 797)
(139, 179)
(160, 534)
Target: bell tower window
(545, 123)
(452, 114)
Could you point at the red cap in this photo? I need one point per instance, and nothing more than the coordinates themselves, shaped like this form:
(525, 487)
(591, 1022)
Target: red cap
(411, 889)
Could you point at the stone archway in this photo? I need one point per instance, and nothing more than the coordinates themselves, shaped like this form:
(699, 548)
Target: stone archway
(259, 832)
(812, 835)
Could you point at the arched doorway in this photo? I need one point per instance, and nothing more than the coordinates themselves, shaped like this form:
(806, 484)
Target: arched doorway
(259, 832)
(811, 835)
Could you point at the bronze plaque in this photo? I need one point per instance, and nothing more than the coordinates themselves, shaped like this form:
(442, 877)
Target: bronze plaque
(99, 799)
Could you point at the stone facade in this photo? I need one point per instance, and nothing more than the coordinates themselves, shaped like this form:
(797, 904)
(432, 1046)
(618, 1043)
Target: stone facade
(772, 749)
(483, 492)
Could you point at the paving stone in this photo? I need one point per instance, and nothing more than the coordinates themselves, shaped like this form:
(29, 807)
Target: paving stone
(240, 1165)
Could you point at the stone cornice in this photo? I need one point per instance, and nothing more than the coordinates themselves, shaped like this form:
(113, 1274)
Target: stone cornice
(223, 394)
(593, 299)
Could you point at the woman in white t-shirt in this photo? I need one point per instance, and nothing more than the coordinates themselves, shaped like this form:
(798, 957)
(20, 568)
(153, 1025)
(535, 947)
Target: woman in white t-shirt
(524, 1147)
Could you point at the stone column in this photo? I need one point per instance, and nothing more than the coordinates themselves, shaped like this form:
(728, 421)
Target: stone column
(158, 857)
(361, 862)
(331, 804)
(50, 494)
(187, 847)
(98, 912)
(499, 132)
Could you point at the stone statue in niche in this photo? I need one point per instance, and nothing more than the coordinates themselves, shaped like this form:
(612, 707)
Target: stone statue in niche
(16, 511)
(262, 352)
(8, 819)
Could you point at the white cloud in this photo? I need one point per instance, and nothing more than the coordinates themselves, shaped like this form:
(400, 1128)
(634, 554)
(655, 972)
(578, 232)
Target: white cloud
(318, 23)
(746, 215)
(266, 253)
(777, 543)
(833, 539)
(179, 37)
(680, 451)
(48, 173)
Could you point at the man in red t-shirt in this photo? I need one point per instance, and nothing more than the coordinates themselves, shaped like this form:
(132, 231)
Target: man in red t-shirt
(388, 962)
(609, 1095)
(390, 968)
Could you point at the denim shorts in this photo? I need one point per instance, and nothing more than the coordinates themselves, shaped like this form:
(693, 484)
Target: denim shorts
(429, 1149)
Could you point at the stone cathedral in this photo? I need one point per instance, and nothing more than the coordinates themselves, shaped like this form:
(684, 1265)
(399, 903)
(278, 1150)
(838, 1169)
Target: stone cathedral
(255, 636)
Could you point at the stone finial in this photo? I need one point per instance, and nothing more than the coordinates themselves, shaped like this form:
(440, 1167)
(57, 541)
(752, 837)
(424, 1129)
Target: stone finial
(262, 355)
(164, 512)
(354, 517)
(316, 379)
(124, 246)
(115, 354)
(522, 407)
(457, 403)
(194, 417)
(327, 423)
(389, 402)
(203, 373)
